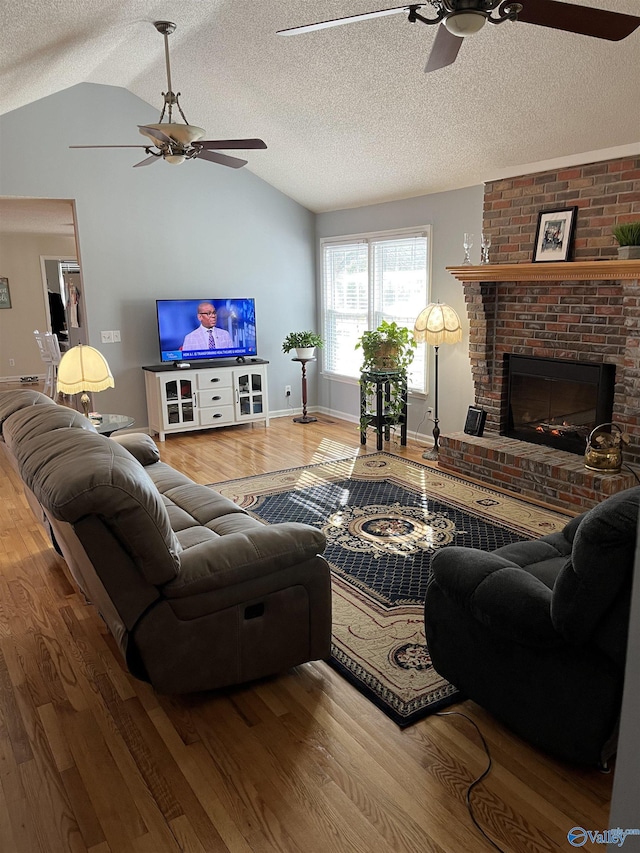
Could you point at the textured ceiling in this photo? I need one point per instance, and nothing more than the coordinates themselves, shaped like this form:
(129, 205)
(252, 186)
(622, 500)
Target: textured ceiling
(36, 216)
(348, 114)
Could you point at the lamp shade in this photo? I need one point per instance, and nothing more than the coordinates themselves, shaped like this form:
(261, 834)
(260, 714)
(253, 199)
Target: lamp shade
(438, 324)
(83, 368)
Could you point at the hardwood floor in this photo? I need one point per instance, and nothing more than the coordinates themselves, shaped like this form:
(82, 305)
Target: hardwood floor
(91, 759)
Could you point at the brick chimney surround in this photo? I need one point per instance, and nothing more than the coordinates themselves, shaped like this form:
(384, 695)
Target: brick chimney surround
(584, 310)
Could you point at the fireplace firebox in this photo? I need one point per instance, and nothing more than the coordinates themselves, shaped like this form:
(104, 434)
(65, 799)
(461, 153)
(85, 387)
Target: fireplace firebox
(557, 402)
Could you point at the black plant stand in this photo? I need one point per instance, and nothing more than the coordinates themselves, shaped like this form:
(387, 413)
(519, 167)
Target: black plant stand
(305, 419)
(381, 420)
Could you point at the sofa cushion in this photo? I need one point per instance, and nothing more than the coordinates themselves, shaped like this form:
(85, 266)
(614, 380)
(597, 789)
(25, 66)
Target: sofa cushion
(36, 420)
(140, 445)
(214, 562)
(13, 401)
(598, 570)
(114, 487)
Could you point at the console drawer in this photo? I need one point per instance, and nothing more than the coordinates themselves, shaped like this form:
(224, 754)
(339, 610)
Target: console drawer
(216, 415)
(213, 378)
(215, 396)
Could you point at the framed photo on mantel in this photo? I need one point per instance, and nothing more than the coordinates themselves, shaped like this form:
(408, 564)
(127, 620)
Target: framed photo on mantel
(554, 234)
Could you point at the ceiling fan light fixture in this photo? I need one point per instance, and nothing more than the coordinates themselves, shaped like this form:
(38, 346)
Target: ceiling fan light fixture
(175, 159)
(466, 23)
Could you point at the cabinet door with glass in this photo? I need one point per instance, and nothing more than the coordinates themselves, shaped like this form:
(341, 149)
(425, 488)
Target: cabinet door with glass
(250, 390)
(178, 400)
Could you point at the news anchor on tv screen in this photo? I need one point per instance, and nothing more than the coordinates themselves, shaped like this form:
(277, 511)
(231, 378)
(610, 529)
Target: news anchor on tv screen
(207, 336)
(227, 329)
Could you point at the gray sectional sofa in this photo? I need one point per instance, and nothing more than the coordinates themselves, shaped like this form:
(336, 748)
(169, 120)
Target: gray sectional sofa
(197, 593)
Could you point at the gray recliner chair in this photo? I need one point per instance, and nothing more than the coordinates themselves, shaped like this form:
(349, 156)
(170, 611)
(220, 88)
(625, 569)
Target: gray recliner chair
(197, 593)
(536, 632)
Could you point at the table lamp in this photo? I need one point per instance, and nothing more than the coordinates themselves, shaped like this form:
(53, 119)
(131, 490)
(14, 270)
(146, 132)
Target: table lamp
(83, 369)
(437, 324)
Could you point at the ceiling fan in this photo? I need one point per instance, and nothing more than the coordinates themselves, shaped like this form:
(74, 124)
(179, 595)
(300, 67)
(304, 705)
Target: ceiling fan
(175, 142)
(460, 18)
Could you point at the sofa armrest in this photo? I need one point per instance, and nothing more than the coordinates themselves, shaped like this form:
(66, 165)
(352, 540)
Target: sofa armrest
(498, 594)
(140, 445)
(238, 557)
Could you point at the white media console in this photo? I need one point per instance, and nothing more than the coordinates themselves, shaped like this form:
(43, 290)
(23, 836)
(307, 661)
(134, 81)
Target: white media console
(205, 396)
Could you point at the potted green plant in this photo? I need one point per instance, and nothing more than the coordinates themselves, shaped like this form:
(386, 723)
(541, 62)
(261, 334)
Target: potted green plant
(389, 349)
(628, 236)
(304, 343)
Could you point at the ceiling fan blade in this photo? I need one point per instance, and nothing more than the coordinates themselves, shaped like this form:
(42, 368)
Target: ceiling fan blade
(444, 50)
(232, 162)
(584, 20)
(147, 161)
(336, 22)
(107, 146)
(231, 143)
(155, 133)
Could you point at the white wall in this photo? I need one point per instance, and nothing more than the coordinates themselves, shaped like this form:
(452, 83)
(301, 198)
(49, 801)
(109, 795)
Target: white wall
(160, 231)
(450, 214)
(20, 263)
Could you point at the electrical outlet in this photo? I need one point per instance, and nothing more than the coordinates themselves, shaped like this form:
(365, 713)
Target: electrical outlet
(12, 362)
(106, 337)
(287, 390)
(116, 336)
(429, 411)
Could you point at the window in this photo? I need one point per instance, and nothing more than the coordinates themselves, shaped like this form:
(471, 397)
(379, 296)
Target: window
(366, 279)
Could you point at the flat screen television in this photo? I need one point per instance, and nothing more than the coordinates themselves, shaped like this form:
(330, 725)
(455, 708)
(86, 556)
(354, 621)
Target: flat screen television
(203, 329)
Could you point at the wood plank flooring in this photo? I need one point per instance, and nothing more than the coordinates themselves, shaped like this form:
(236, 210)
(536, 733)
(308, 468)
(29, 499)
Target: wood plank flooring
(92, 760)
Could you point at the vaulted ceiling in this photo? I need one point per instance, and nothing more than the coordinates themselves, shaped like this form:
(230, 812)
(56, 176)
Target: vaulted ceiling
(348, 114)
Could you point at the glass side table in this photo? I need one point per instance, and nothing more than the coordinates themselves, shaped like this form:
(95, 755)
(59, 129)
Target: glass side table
(112, 423)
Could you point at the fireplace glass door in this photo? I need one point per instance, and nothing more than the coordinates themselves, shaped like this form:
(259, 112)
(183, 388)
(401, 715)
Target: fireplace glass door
(557, 402)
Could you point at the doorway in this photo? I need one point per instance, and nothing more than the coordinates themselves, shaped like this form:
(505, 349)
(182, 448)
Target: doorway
(33, 231)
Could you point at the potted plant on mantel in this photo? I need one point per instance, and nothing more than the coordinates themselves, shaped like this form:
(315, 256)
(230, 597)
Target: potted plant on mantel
(628, 236)
(304, 343)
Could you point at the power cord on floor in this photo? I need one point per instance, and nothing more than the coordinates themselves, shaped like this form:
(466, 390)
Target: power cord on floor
(480, 778)
(424, 417)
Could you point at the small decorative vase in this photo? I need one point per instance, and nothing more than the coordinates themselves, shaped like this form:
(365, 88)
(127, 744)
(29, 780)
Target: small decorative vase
(305, 352)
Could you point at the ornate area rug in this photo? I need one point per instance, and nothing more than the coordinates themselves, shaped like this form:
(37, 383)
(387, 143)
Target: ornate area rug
(384, 518)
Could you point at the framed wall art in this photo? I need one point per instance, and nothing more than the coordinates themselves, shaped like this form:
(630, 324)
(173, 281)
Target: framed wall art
(5, 294)
(554, 234)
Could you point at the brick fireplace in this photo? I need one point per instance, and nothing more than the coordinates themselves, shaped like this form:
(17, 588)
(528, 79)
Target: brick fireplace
(585, 310)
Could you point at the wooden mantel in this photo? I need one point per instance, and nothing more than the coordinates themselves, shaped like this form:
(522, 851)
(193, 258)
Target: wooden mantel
(554, 271)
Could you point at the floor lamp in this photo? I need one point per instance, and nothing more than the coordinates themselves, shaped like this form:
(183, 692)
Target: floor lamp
(437, 324)
(83, 369)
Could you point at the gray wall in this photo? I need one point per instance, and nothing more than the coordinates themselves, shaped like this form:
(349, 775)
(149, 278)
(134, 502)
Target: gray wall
(160, 231)
(450, 215)
(625, 804)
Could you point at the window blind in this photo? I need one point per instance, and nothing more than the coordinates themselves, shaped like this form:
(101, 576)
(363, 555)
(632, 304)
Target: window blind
(366, 280)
